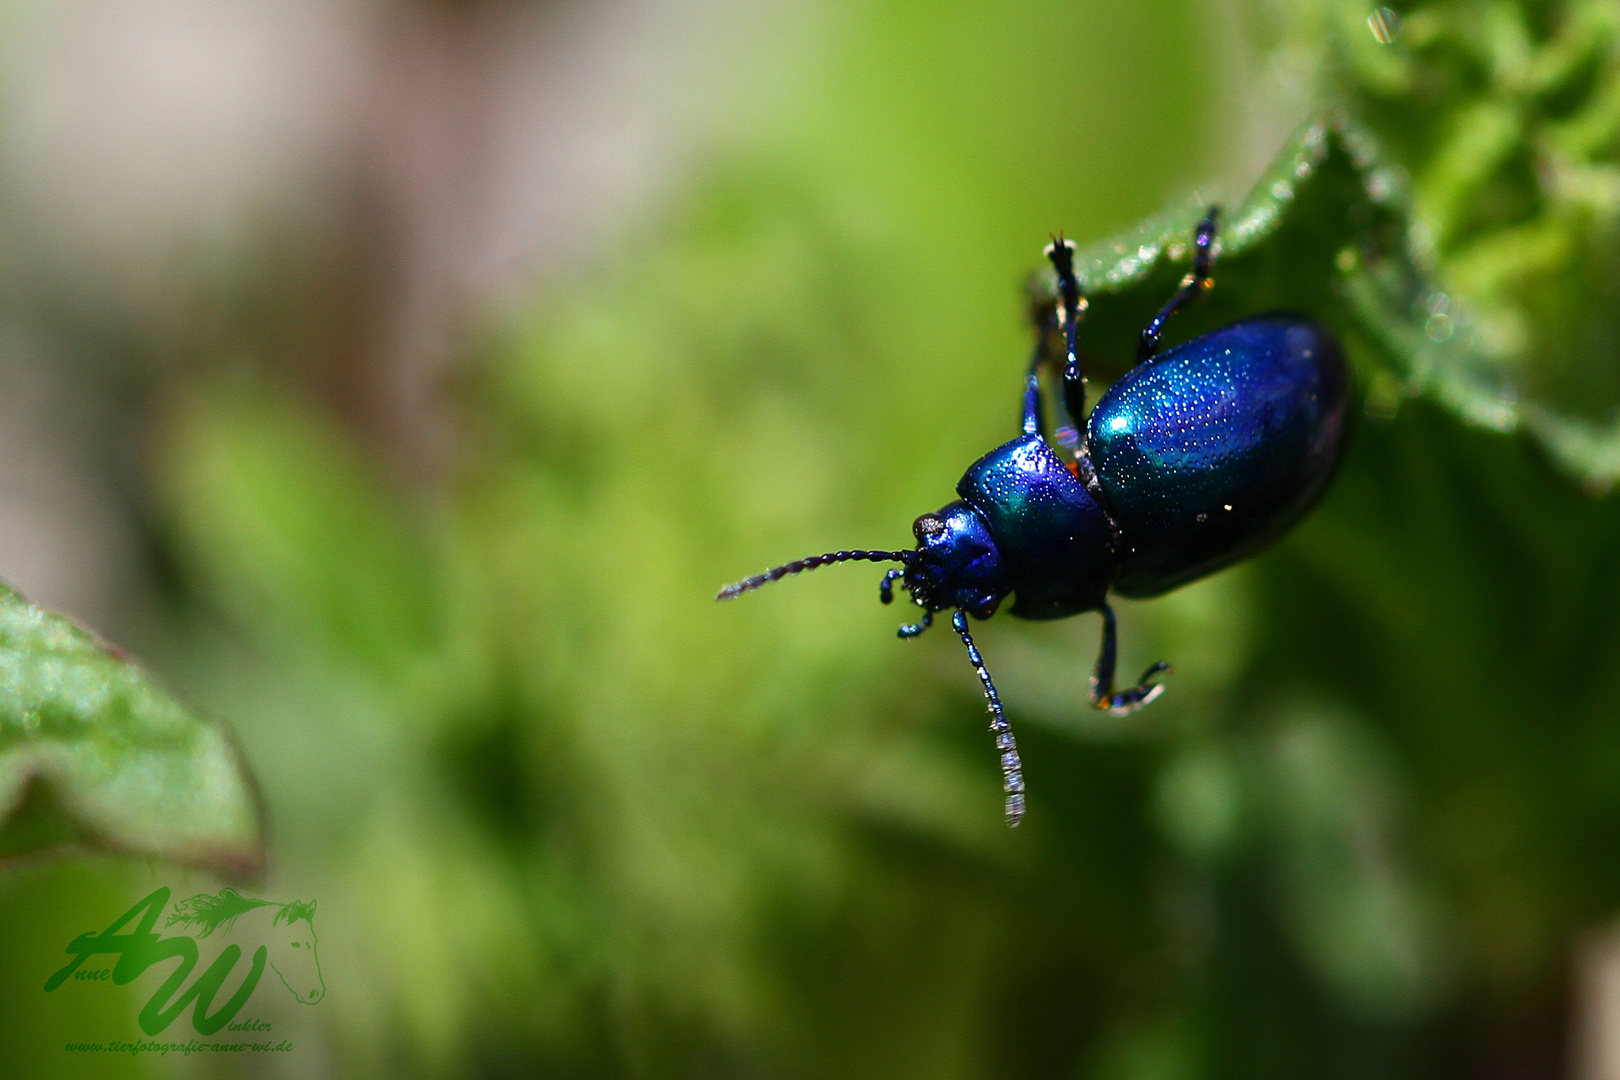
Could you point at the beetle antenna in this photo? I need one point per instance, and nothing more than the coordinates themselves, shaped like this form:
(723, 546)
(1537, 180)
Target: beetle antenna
(1012, 770)
(777, 573)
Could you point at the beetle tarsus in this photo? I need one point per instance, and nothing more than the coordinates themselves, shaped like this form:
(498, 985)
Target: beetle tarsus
(1102, 693)
(1125, 702)
(911, 630)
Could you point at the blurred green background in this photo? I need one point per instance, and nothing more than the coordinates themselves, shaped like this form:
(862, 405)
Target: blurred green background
(400, 380)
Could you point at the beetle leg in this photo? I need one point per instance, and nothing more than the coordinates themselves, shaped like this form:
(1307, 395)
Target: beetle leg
(911, 630)
(1043, 320)
(1072, 310)
(1194, 285)
(1043, 317)
(1033, 420)
(886, 588)
(1102, 693)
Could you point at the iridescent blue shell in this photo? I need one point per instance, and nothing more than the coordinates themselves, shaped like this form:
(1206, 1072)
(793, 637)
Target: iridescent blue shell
(1208, 451)
(1054, 539)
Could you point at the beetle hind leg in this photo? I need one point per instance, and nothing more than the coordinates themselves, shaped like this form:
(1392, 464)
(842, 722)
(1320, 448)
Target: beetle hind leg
(1103, 695)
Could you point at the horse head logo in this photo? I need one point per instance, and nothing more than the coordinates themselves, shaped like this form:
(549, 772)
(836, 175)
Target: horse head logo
(287, 930)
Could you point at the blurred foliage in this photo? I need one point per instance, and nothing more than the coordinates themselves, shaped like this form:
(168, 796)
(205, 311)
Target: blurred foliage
(565, 816)
(94, 754)
(1504, 122)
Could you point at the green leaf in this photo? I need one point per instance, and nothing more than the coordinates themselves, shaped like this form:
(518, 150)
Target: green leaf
(1328, 230)
(93, 753)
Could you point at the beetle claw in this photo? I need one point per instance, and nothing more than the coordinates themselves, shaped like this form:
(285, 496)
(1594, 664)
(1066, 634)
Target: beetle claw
(1125, 702)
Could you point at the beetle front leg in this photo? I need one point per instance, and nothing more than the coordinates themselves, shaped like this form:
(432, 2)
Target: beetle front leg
(1102, 692)
(911, 630)
(1194, 285)
(1033, 418)
(1072, 309)
(1045, 320)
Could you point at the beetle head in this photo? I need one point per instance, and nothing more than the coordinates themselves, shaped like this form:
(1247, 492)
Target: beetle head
(956, 564)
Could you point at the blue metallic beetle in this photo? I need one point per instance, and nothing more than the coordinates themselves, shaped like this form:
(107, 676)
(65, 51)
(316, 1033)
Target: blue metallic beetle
(1197, 457)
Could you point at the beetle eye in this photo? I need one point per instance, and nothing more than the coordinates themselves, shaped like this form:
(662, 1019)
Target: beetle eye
(986, 609)
(927, 527)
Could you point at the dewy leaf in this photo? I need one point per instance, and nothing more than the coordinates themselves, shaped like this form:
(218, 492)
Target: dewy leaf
(94, 753)
(1329, 230)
